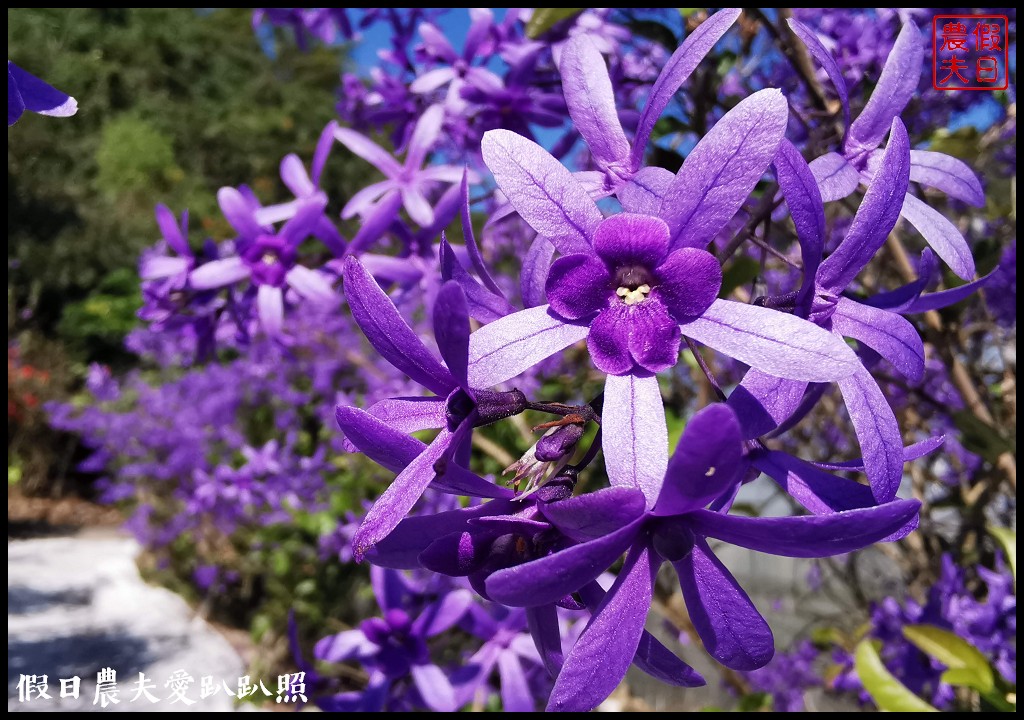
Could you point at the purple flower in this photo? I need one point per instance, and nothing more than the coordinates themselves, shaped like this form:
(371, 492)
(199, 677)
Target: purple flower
(437, 48)
(268, 260)
(394, 647)
(707, 464)
(407, 184)
(27, 92)
(173, 268)
(839, 174)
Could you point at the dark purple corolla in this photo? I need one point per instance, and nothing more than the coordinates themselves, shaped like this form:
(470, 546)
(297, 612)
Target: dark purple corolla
(707, 464)
(27, 92)
(839, 174)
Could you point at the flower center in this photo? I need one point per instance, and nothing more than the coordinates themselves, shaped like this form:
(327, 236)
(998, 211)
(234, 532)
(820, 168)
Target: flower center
(633, 284)
(269, 258)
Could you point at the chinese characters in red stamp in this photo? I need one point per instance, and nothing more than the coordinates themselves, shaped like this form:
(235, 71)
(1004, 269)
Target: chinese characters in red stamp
(970, 52)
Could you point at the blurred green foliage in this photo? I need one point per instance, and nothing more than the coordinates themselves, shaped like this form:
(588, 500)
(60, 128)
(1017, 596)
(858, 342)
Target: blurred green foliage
(174, 103)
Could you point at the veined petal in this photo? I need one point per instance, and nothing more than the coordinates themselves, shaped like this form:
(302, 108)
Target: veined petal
(396, 502)
(836, 177)
(896, 85)
(803, 199)
(654, 336)
(708, 461)
(511, 345)
(534, 274)
(543, 624)
(388, 332)
(483, 305)
(688, 282)
(807, 536)
(875, 217)
(678, 68)
(603, 653)
(409, 415)
(591, 101)
(941, 235)
(721, 171)
(948, 174)
(542, 190)
(762, 402)
(877, 431)
(645, 191)
(888, 334)
(631, 239)
(731, 628)
(635, 436)
(777, 343)
(472, 248)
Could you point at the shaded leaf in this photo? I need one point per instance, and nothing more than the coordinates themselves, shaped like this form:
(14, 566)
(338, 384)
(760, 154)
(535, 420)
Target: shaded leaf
(888, 693)
(544, 19)
(1008, 540)
(967, 666)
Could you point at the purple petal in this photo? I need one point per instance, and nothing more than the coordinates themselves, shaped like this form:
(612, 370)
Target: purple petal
(721, 171)
(945, 298)
(803, 199)
(707, 462)
(608, 341)
(396, 502)
(295, 177)
(436, 43)
(910, 453)
(376, 222)
(888, 334)
(157, 267)
(635, 436)
(941, 235)
(547, 636)
(451, 329)
(270, 308)
(472, 249)
(387, 331)
(578, 286)
(895, 88)
(442, 615)
(836, 177)
(542, 190)
(15, 103)
(875, 217)
(343, 646)
(369, 151)
(595, 514)
(402, 548)
(35, 95)
(947, 174)
(365, 200)
(808, 536)
(515, 343)
(645, 191)
(534, 272)
(591, 101)
(550, 578)
(762, 402)
(877, 431)
(239, 212)
(688, 282)
(483, 305)
(516, 695)
(777, 343)
(598, 661)
(630, 239)
(731, 628)
(409, 415)
(311, 285)
(827, 62)
(431, 80)
(379, 439)
(418, 207)
(173, 233)
(435, 688)
(674, 74)
(654, 336)
(323, 151)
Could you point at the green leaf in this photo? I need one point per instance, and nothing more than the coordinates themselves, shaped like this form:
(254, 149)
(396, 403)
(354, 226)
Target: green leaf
(888, 693)
(741, 271)
(546, 18)
(981, 438)
(687, 12)
(967, 666)
(1007, 538)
